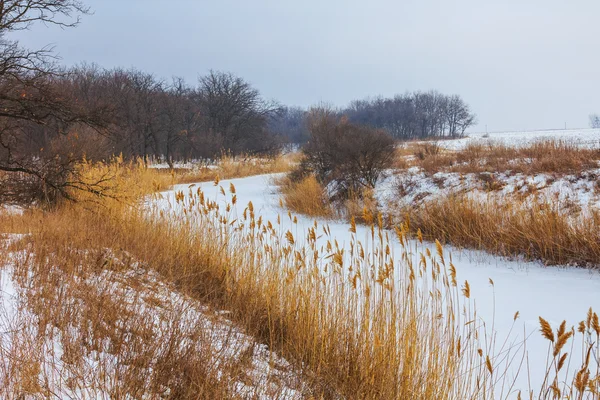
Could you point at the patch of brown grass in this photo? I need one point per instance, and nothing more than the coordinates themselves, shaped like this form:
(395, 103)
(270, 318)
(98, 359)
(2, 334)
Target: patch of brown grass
(306, 197)
(360, 207)
(234, 167)
(309, 197)
(546, 156)
(538, 231)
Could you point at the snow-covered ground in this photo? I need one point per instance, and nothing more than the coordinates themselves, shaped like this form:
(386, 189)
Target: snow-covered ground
(583, 137)
(11, 210)
(556, 293)
(144, 300)
(573, 193)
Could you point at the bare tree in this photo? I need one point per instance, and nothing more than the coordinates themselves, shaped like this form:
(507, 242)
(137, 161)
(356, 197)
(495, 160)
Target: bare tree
(414, 115)
(22, 14)
(458, 116)
(234, 110)
(595, 121)
(181, 120)
(140, 103)
(35, 107)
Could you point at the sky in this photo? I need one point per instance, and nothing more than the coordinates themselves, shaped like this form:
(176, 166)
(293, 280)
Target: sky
(519, 64)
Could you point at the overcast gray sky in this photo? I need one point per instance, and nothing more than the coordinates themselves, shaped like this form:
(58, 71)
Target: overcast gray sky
(520, 64)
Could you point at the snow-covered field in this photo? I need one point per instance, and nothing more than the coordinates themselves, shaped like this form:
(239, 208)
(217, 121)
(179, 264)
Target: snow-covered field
(556, 293)
(583, 137)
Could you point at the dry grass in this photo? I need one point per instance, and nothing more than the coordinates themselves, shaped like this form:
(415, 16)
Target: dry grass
(82, 332)
(536, 230)
(234, 167)
(309, 197)
(122, 181)
(92, 323)
(327, 313)
(546, 156)
(362, 323)
(360, 207)
(306, 197)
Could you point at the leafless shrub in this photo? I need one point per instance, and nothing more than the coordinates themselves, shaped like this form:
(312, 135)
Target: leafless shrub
(428, 149)
(405, 185)
(490, 181)
(346, 157)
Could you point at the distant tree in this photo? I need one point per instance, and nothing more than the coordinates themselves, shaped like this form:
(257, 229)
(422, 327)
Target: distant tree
(458, 116)
(414, 115)
(595, 121)
(140, 102)
(179, 118)
(290, 123)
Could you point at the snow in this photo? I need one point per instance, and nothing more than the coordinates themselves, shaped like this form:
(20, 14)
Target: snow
(583, 137)
(555, 293)
(153, 304)
(417, 186)
(11, 209)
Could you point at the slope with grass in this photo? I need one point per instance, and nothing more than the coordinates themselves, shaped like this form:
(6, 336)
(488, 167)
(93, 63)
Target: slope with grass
(499, 288)
(540, 200)
(112, 328)
(88, 308)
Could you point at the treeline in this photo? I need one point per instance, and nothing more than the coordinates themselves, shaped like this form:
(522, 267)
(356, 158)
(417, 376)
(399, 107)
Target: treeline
(51, 118)
(136, 114)
(143, 116)
(418, 115)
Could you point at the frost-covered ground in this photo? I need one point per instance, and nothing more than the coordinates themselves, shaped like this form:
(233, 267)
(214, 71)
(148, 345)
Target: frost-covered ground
(582, 137)
(154, 307)
(556, 294)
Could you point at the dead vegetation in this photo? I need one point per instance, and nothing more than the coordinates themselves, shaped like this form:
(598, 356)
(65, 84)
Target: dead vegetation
(228, 166)
(338, 168)
(545, 156)
(92, 323)
(356, 324)
(486, 206)
(306, 197)
(550, 232)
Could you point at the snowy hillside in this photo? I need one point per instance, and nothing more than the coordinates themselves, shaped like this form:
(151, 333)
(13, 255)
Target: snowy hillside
(582, 137)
